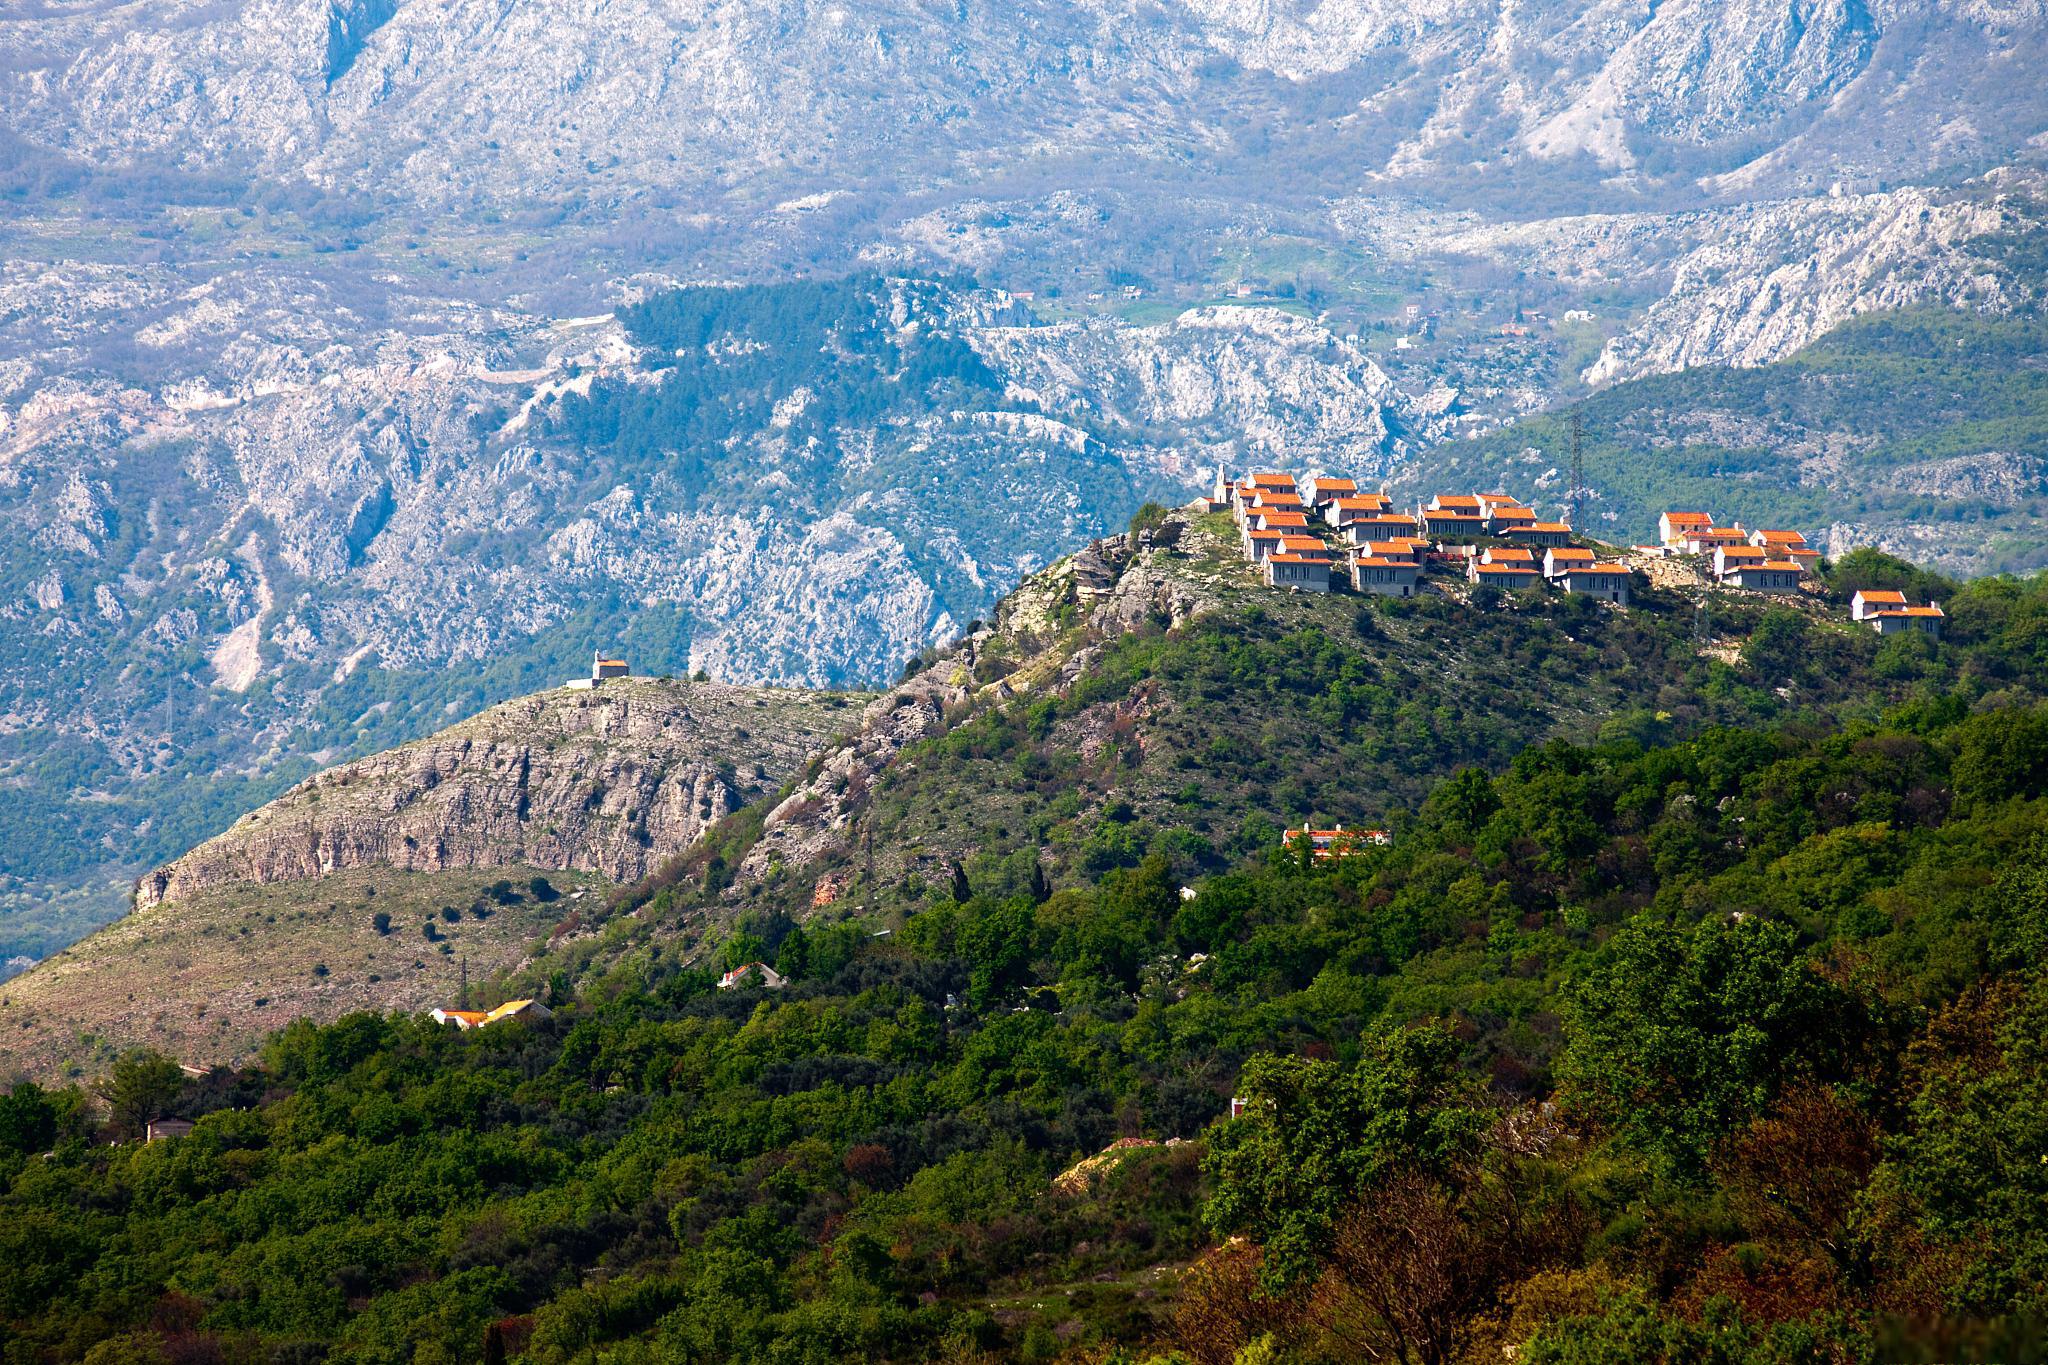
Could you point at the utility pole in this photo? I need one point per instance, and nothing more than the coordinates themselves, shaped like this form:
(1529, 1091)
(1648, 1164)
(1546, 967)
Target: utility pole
(1578, 474)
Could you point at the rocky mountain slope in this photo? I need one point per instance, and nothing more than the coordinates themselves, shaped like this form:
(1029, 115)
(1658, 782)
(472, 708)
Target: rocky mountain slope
(612, 780)
(296, 298)
(370, 885)
(517, 103)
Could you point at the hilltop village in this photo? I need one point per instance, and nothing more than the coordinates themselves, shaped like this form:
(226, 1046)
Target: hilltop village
(1327, 536)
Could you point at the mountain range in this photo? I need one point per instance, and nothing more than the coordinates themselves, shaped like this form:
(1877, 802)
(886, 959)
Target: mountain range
(318, 322)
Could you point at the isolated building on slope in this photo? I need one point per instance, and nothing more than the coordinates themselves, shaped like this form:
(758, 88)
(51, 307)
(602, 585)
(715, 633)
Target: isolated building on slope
(602, 669)
(1897, 620)
(770, 978)
(511, 1009)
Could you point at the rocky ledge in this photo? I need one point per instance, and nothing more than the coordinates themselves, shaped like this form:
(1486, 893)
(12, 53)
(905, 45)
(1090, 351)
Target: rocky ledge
(612, 780)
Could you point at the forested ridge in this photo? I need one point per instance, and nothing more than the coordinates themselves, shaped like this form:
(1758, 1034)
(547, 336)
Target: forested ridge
(1714, 1035)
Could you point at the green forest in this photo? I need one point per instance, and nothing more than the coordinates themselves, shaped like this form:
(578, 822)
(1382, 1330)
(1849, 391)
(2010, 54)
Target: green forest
(1714, 1035)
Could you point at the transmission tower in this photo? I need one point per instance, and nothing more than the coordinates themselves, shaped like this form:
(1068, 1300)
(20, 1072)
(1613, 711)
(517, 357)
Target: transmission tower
(1578, 475)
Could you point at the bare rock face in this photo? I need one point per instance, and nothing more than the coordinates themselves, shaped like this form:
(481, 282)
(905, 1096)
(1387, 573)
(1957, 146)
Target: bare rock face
(611, 780)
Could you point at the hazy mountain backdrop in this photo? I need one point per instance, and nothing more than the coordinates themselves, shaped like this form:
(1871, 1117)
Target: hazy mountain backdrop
(365, 363)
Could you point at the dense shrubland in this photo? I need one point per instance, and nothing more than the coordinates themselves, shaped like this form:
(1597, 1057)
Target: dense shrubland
(1721, 1049)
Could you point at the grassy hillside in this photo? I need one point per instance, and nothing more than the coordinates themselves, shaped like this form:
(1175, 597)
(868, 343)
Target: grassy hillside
(208, 978)
(1927, 428)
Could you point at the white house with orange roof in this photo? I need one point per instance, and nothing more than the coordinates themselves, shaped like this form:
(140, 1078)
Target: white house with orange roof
(1538, 535)
(601, 670)
(1336, 843)
(1452, 516)
(1322, 490)
(1558, 558)
(1342, 511)
(1729, 558)
(1383, 526)
(1769, 575)
(1897, 620)
(1673, 527)
(1385, 576)
(1704, 540)
(1605, 582)
(1402, 548)
(742, 974)
(1295, 543)
(1263, 518)
(1308, 573)
(1502, 511)
(1507, 554)
(1507, 577)
(511, 1009)
(1787, 545)
(1868, 602)
(1259, 544)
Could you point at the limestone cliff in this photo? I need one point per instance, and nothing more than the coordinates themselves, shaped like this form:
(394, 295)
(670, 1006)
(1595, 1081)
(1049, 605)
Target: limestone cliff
(609, 781)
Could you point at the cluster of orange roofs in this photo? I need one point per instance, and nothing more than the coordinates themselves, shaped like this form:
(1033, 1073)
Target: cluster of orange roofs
(1304, 538)
(1779, 561)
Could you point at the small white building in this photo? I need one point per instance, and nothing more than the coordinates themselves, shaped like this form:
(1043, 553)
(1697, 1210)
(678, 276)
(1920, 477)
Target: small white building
(1674, 527)
(1771, 575)
(1560, 559)
(1868, 602)
(1307, 572)
(1385, 577)
(602, 669)
(1898, 620)
(1605, 582)
(737, 977)
(511, 1009)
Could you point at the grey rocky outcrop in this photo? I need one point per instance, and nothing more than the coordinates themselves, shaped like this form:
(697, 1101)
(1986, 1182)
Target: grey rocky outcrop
(612, 780)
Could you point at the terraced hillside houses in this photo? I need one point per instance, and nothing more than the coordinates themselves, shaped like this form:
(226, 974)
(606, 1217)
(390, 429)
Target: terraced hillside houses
(1327, 535)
